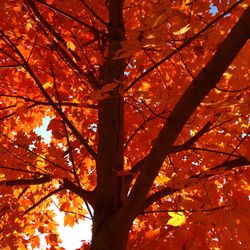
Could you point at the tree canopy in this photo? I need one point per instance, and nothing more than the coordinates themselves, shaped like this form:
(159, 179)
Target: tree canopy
(147, 104)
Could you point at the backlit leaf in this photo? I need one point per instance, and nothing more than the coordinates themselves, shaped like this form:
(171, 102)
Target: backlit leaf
(71, 45)
(178, 219)
(182, 30)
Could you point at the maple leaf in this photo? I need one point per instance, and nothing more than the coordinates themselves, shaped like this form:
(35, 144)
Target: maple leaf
(104, 92)
(21, 108)
(69, 220)
(178, 219)
(56, 126)
(182, 30)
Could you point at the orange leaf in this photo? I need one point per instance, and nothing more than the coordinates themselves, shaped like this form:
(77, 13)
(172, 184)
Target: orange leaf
(152, 234)
(182, 30)
(104, 92)
(69, 220)
(56, 127)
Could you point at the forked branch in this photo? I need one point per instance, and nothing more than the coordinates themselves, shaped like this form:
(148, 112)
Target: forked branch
(88, 196)
(227, 165)
(190, 100)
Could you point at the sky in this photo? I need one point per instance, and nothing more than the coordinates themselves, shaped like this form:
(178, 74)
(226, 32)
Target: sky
(71, 237)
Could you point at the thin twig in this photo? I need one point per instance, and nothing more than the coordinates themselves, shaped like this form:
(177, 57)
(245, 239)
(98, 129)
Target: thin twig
(30, 151)
(43, 199)
(188, 41)
(71, 212)
(93, 13)
(185, 210)
(93, 29)
(47, 96)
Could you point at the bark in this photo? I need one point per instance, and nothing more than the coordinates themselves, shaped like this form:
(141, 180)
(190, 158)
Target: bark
(112, 235)
(34, 181)
(110, 144)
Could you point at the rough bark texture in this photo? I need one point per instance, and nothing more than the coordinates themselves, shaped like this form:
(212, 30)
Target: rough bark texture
(110, 148)
(112, 235)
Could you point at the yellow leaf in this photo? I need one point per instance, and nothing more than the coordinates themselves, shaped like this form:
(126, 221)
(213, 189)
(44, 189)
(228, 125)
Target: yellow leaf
(227, 75)
(244, 5)
(145, 86)
(71, 45)
(182, 30)
(217, 91)
(188, 2)
(178, 219)
(47, 85)
(28, 26)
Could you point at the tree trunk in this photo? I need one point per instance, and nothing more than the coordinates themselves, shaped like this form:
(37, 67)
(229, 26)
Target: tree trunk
(112, 235)
(110, 157)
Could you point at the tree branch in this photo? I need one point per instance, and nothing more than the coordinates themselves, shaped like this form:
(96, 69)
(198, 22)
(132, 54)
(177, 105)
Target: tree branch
(62, 47)
(43, 199)
(21, 170)
(20, 182)
(213, 151)
(141, 126)
(227, 165)
(30, 151)
(88, 196)
(71, 212)
(190, 100)
(185, 146)
(186, 210)
(36, 102)
(50, 29)
(110, 159)
(192, 140)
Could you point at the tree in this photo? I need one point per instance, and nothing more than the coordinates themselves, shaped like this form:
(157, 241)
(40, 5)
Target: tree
(148, 109)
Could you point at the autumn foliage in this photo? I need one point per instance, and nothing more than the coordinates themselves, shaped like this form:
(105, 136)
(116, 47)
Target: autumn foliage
(147, 109)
